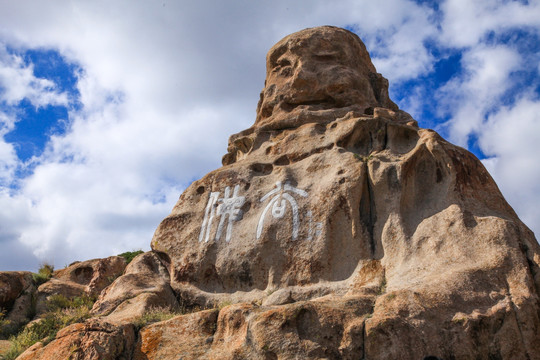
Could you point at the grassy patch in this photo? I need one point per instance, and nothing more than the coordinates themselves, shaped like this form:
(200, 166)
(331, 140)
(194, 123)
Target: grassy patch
(62, 312)
(156, 314)
(43, 275)
(130, 255)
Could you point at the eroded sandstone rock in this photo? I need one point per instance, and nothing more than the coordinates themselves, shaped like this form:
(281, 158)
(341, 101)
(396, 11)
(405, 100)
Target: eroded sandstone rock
(144, 285)
(81, 278)
(339, 228)
(16, 291)
(335, 190)
(92, 340)
(12, 285)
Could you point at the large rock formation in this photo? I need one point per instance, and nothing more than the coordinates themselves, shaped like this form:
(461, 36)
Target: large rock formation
(334, 190)
(336, 229)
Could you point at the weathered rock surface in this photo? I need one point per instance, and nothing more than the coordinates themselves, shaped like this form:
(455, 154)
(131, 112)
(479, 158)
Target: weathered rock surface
(93, 340)
(340, 230)
(335, 190)
(81, 278)
(325, 329)
(145, 284)
(16, 290)
(12, 285)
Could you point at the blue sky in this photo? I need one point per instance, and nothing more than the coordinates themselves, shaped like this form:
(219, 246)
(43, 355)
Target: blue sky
(109, 110)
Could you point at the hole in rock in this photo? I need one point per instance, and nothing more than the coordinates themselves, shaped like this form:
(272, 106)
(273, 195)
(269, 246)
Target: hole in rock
(282, 160)
(368, 111)
(200, 190)
(263, 169)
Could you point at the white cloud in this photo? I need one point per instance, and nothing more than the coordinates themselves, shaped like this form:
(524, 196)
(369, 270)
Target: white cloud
(17, 82)
(486, 77)
(467, 22)
(512, 137)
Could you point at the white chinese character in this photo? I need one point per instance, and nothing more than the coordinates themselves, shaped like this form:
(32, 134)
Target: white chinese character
(279, 205)
(317, 229)
(226, 207)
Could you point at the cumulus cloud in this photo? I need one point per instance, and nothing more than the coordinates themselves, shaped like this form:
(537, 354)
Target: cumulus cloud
(511, 137)
(485, 79)
(17, 82)
(466, 23)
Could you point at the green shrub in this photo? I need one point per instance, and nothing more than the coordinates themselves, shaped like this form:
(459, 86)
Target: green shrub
(43, 275)
(62, 312)
(130, 255)
(60, 302)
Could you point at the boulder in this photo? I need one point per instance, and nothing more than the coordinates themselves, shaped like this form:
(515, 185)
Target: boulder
(92, 340)
(87, 278)
(331, 329)
(16, 291)
(183, 337)
(144, 285)
(95, 275)
(334, 191)
(12, 285)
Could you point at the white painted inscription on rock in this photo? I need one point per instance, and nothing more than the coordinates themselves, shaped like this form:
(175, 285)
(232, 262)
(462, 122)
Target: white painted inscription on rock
(279, 206)
(227, 208)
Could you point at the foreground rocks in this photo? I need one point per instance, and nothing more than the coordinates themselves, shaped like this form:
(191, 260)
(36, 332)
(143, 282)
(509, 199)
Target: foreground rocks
(336, 229)
(144, 285)
(16, 289)
(86, 278)
(92, 340)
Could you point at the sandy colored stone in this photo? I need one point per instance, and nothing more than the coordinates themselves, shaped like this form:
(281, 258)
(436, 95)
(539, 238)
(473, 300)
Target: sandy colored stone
(335, 191)
(186, 336)
(80, 278)
(95, 274)
(336, 229)
(92, 340)
(4, 346)
(144, 285)
(329, 329)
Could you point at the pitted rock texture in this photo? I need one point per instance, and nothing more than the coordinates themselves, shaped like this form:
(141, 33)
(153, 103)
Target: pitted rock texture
(81, 278)
(144, 284)
(334, 190)
(336, 229)
(93, 340)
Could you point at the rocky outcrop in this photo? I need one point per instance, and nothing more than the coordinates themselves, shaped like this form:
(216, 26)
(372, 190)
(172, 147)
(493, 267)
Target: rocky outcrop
(81, 278)
(334, 190)
(145, 284)
(336, 229)
(93, 340)
(12, 285)
(16, 291)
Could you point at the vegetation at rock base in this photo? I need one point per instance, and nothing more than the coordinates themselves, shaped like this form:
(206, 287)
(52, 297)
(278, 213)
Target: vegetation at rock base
(156, 314)
(62, 312)
(44, 274)
(4, 323)
(130, 255)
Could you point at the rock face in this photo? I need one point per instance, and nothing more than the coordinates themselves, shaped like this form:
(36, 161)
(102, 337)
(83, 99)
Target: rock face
(144, 284)
(93, 340)
(16, 291)
(81, 278)
(336, 229)
(334, 190)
